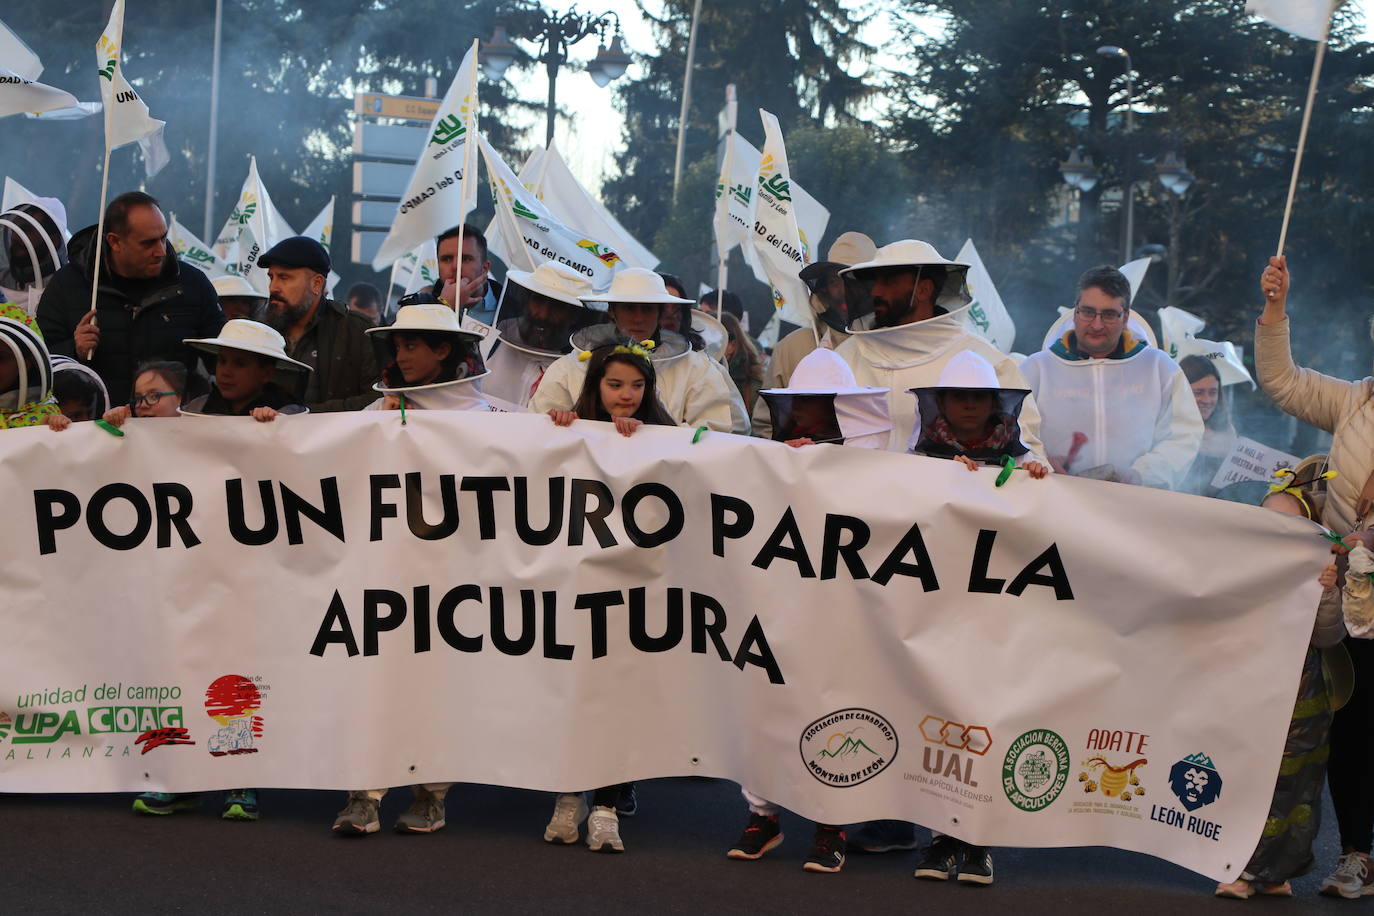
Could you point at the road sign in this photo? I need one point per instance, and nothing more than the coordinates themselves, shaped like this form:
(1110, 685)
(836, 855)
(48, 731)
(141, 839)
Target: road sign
(381, 179)
(402, 142)
(395, 106)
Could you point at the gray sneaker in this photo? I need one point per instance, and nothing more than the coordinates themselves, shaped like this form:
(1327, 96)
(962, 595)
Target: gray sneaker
(359, 816)
(425, 814)
(1352, 878)
(603, 830)
(568, 811)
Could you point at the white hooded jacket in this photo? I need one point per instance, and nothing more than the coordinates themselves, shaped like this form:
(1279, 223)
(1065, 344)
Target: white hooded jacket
(691, 387)
(913, 356)
(1136, 410)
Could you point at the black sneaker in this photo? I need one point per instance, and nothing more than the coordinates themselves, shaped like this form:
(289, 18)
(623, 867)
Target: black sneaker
(760, 835)
(827, 850)
(940, 861)
(627, 803)
(977, 865)
(883, 836)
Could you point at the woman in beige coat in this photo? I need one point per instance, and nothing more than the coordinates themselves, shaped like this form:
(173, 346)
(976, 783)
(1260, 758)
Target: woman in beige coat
(1346, 410)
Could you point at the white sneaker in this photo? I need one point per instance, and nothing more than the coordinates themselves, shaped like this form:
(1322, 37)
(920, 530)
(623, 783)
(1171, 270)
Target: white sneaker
(603, 830)
(1352, 878)
(568, 812)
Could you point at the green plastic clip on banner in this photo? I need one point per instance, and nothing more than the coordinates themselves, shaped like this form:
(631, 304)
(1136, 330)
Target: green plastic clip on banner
(1008, 465)
(696, 436)
(403, 410)
(110, 428)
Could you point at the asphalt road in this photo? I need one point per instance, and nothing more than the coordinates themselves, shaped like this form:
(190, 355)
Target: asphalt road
(89, 854)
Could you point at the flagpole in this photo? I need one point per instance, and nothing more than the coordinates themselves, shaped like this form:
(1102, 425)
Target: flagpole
(468, 130)
(100, 227)
(722, 252)
(1302, 137)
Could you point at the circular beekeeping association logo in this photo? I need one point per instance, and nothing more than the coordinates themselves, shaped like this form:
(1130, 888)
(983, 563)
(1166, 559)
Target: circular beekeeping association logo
(1035, 770)
(848, 747)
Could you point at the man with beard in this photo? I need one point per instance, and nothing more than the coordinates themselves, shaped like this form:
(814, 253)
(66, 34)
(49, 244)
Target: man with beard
(319, 332)
(147, 301)
(919, 304)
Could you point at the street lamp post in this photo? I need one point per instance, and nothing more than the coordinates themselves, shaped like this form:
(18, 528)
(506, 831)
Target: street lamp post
(1174, 175)
(555, 35)
(1129, 233)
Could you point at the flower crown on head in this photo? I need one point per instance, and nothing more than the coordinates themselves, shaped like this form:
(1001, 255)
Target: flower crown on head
(643, 349)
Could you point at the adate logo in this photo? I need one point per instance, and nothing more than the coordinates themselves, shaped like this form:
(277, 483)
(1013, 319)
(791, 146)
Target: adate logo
(848, 747)
(1035, 769)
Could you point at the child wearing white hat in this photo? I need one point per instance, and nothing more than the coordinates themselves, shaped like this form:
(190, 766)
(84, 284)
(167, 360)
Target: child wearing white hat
(248, 356)
(436, 364)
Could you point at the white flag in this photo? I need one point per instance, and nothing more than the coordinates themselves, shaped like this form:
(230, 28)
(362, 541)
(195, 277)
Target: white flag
(260, 227)
(987, 316)
(321, 229)
(126, 116)
(437, 198)
(532, 235)
(776, 238)
(17, 56)
(419, 269)
(736, 202)
(1305, 18)
(16, 194)
(19, 95)
(193, 251)
(1178, 336)
(1134, 272)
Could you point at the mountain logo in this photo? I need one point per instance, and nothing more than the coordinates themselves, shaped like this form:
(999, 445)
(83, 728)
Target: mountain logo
(848, 747)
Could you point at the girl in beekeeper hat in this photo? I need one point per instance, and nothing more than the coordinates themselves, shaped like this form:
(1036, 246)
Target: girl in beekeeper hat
(823, 403)
(435, 365)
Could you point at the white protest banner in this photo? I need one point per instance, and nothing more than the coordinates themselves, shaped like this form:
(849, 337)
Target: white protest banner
(192, 250)
(260, 226)
(127, 119)
(531, 235)
(437, 196)
(328, 602)
(1308, 19)
(776, 238)
(1178, 336)
(1251, 460)
(546, 173)
(987, 316)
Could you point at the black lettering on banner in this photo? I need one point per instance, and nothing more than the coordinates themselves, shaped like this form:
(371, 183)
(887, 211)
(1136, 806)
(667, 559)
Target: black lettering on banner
(335, 628)
(420, 615)
(581, 518)
(672, 625)
(48, 521)
(95, 516)
(373, 623)
(978, 580)
(539, 537)
(330, 517)
(169, 516)
(753, 650)
(484, 487)
(1056, 578)
(596, 603)
(672, 527)
(833, 549)
(502, 640)
(895, 564)
(415, 508)
(552, 647)
(238, 526)
(448, 627)
(794, 550)
(380, 509)
(741, 524)
(701, 629)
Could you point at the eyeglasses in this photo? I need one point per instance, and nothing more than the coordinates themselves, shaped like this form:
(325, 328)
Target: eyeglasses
(1089, 314)
(150, 399)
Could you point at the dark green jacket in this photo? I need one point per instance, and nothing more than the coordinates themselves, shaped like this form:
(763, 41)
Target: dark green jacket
(343, 357)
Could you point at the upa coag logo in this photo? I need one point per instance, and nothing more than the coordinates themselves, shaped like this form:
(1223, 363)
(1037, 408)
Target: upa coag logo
(245, 210)
(6, 723)
(848, 747)
(1035, 769)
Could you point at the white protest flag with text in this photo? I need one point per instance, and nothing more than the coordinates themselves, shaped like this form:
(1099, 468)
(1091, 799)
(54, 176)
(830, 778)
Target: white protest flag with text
(20, 90)
(419, 269)
(126, 115)
(17, 56)
(260, 226)
(737, 202)
(987, 316)
(776, 238)
(437, 198)
(1309, 19)
(1178, 332)
(191, 249)
(321, 229)
(530, 233)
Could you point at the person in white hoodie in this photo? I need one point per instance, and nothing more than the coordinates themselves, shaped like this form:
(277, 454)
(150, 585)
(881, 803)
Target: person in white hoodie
(1112, 406)
(919, 306)
(691, 386)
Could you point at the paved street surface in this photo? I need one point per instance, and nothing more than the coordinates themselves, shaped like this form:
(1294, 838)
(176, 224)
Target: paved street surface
(85, 854)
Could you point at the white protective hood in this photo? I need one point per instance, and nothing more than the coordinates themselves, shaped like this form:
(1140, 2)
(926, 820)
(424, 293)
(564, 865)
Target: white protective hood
(860, 411)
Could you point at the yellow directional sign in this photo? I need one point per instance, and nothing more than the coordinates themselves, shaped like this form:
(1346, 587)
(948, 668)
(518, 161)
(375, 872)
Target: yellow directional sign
(395, 106)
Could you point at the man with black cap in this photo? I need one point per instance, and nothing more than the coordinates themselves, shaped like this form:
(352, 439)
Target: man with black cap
(319, 332)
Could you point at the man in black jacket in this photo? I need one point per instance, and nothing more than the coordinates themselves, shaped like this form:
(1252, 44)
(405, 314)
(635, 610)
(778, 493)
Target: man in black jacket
(147, 301)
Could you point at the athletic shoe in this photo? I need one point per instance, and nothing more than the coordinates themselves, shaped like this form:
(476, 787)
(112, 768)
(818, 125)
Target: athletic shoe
(425, 814)
(359, 816)
(603, 830)
(627, 804)
(940, 861)
(165, 802)
(568, 812)
(1239, 889)
(976, 867)
(1351, 879)
(883, 836)
(240, 805)
(827, 850)
(761, 834)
